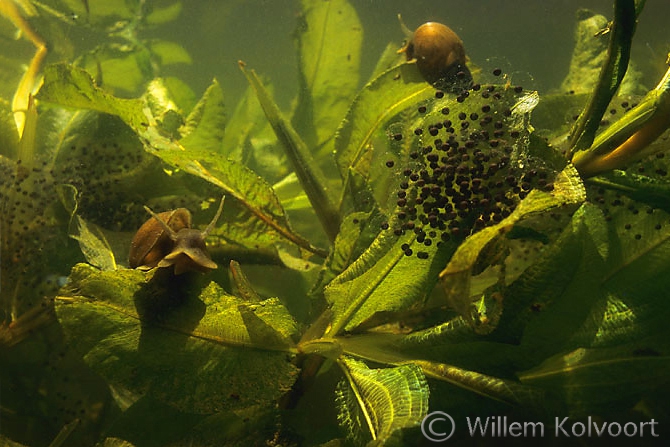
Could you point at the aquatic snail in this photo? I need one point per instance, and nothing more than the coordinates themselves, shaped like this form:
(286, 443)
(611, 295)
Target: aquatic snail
(440, 56)
(167, 239)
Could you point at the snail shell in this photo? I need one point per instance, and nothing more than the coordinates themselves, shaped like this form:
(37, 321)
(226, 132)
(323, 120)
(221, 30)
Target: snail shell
(167, 239)
(440, 56)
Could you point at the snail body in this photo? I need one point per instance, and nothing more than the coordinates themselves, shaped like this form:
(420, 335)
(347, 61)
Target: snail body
(167, 239)
(440, 56)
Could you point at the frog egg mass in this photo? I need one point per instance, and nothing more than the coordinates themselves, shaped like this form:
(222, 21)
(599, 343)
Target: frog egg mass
(461, 173)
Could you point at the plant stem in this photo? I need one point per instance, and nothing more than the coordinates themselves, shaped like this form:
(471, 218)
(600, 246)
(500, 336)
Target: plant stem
(311, 178)
(611, 75)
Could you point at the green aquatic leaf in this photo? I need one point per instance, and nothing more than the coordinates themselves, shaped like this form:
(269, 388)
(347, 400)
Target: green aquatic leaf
(246, 120)
(456, 340)
(93, 244)
(205, 125)
(556, 297)
(311, 178)
(169, 94)
(380, 99)
(120, 67)
(383, 278)
(90, 237)
(73, 87)
(374, 403)
(193, 352)
(252, 193)
(329, 38)
(640, 245)
(594, 380)
(456, 277)
(552, 280)
(356, 234)
(160, 15)
(244, 288)
(651, 189)
(507, 391)
(169, 52)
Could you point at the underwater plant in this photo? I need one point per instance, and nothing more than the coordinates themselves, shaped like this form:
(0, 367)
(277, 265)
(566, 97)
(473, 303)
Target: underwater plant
(468, 250)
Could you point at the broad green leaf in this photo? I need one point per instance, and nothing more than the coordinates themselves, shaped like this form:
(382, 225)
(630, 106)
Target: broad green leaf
(637, 275)
(640, 239)
(161, 15)
(376, 402)
(596, 380)
(192, 352)
(383, 278)
(237, 181)
(421, 348)
(311, 178)
(163, 95)
(456, 277)
(556, 297)
(651, 189)
(60, 129)
(329, 38)
(120, 67)
(169, 52)
(545, 304)
(387, 60)
(73, 87)
(502, 390)
(356, 234)
(205, 125)
(93, 244)
(90, 237)
(380, 99)
(65, 85)
(246, 120)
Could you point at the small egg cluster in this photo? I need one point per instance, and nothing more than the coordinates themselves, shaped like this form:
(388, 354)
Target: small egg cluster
(107, 172)
(635, 220)
(462, 174)
(28, 203)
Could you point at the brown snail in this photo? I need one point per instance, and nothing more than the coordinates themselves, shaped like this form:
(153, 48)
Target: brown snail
(440, 56)
(167, 239)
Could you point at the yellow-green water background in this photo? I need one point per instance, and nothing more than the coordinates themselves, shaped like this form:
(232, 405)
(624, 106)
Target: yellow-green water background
(531, 38)
(528, 36)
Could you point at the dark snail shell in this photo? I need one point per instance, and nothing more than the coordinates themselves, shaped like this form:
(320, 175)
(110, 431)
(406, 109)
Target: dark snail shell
(167, 239)
(440, 56)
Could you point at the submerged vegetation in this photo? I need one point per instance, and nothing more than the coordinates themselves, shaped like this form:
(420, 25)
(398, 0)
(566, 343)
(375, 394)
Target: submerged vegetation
(383, 251)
